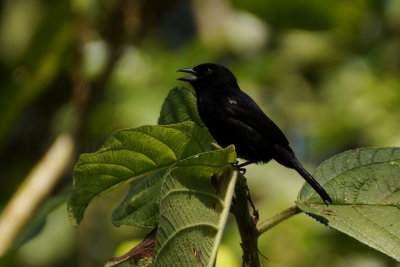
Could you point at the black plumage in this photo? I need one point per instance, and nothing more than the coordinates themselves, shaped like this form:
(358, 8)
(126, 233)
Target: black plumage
(232, 117)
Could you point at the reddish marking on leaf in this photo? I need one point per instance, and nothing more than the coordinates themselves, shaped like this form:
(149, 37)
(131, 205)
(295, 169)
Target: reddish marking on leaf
(197, 254)
(329, 212)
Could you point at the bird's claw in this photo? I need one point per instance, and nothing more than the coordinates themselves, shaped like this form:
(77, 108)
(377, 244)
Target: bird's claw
(237, 166)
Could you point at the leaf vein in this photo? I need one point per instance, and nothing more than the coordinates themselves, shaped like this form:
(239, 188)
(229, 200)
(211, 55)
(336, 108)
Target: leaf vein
(162, 142)
(376, 224)
(178, 230)
(183, 190)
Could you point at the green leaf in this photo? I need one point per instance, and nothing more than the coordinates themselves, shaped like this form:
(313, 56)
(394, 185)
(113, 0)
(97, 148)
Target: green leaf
(195, 201)
(140, 206)
(130, 154)
(365, 186)
(180, 105)
(145, 262)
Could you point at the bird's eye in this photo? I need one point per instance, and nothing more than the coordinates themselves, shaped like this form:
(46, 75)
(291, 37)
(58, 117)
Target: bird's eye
(207, 71)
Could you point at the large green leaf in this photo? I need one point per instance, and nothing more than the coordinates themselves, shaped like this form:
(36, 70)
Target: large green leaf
(180, 105)
(365, 187)
(130, 154)
(195, 201)
(140, 206)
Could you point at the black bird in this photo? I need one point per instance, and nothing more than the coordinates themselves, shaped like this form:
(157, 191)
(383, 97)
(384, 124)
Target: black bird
(232, 117)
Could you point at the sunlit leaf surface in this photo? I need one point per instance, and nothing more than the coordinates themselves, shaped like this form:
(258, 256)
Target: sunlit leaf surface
(365, 187)
(130, 154)
(195, 201)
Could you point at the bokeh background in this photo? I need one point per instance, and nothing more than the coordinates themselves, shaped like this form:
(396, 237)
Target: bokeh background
(72, 72)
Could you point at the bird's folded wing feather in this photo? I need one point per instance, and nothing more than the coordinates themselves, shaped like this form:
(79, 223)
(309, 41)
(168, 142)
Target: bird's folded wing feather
(241, 107)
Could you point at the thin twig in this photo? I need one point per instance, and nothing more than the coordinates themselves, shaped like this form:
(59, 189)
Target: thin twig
(277, 218)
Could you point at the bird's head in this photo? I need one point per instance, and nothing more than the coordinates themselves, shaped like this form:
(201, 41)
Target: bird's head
(209, 76)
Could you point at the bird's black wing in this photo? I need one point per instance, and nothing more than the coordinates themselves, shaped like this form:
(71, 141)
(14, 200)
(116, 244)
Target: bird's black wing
(241, 107)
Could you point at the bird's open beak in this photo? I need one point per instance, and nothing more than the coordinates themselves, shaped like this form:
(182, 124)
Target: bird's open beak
(189, 78)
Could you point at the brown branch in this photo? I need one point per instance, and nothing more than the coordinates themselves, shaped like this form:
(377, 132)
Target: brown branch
(246, 224)
(144, 251)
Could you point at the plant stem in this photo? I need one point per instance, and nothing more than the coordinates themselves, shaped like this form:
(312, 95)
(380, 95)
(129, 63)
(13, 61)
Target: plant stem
(277, 218)
(32, 193)
(246, 224)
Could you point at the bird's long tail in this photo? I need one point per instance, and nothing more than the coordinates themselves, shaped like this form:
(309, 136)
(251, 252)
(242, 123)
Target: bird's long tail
(288, 159)
(311, 181)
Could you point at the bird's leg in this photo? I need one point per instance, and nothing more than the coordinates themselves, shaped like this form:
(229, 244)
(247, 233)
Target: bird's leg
(240, 168)
(244, 163)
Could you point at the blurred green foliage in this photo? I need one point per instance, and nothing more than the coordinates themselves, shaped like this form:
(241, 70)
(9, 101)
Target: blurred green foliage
(326, 71)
